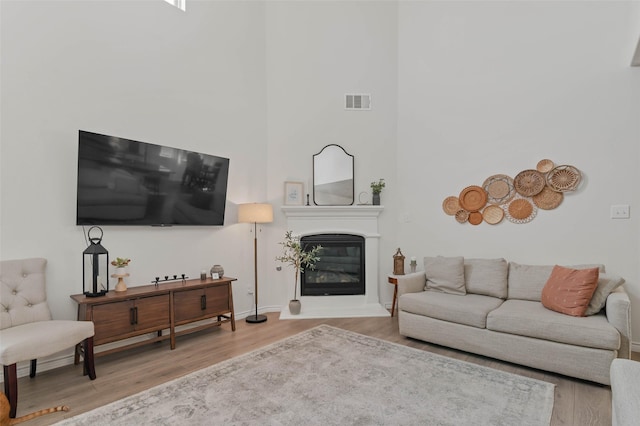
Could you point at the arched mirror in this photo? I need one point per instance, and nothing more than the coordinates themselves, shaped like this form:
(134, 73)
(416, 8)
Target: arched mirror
(333, 177)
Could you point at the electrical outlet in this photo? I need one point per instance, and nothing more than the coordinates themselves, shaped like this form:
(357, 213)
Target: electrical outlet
(620, 211)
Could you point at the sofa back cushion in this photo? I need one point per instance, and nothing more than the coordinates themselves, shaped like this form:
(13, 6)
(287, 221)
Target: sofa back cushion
(487, 277)
(445, 274)
(606, 284)
(569, 291)
(527, 281)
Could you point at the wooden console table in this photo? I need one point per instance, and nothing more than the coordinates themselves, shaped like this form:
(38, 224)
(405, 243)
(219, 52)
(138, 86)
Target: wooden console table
(154, 308)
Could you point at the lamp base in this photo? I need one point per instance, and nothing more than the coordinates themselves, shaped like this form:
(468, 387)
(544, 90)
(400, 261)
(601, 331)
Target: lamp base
(254, 319)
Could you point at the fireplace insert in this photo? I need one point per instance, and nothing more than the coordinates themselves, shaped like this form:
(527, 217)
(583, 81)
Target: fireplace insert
(340, 270)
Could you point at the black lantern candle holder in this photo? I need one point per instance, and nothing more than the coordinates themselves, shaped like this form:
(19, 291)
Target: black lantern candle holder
(95, 266)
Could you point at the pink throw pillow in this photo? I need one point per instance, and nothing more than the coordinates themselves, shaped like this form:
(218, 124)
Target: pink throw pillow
(569, 291)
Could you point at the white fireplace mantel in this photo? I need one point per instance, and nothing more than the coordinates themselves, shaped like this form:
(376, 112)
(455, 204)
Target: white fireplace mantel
(355, 220)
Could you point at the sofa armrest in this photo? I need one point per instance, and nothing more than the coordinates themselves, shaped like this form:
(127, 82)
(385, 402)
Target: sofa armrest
(625, 394)
(618, 310)
(411, 283)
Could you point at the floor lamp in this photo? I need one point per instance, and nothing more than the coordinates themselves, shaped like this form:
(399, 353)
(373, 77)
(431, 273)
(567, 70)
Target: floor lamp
(255, 213)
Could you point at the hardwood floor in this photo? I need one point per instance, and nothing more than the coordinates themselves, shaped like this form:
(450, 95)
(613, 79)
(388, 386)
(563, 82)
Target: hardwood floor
(577, 402)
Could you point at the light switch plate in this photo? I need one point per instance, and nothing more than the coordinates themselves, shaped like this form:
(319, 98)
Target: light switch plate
(620, 211)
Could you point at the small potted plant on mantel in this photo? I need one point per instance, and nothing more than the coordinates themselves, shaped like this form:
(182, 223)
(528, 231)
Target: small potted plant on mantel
(376, 189)
(295, 255)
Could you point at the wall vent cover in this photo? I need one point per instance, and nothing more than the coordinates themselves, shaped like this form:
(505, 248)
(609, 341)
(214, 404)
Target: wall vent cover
(357, 101)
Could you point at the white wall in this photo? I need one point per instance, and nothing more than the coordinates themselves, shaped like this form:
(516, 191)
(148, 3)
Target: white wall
(460, 90)
(494, 87)
(316, 52)
(142, 70)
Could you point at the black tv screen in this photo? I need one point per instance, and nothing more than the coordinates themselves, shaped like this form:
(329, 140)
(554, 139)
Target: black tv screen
(126, 182)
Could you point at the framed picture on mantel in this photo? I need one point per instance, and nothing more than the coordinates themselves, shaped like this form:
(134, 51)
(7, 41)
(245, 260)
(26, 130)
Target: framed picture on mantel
(293, 193)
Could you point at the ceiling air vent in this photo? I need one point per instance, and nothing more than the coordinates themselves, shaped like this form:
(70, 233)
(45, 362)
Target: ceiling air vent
(359, 101)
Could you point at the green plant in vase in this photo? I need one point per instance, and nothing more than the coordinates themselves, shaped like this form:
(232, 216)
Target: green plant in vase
(376, 189)
(300, 258)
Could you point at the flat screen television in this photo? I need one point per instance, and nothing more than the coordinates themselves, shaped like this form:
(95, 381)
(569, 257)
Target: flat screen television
(127, 182)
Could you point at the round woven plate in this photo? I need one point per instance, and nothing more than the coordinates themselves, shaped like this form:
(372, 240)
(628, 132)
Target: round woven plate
(520, 210)
(493, 214)
(563, 178)
(548, 199)
(451, 205)
(462, 216)
(475, 218)
(499, 189)
(544, 166)
(529, 182)
(473, 198)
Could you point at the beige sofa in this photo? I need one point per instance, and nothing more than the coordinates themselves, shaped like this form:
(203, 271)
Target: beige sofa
(492, 308)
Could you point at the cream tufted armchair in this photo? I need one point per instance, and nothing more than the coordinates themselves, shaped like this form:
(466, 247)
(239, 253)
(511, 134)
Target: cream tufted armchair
(27, 331)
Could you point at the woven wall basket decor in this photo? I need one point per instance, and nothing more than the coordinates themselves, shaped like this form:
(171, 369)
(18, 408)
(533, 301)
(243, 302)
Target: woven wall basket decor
(548, 199)
(499, 189)
(493, 214)
(564, 178)
(451, 205)
(518, 199)
(529, 183)
(473, 198)
(520, 210)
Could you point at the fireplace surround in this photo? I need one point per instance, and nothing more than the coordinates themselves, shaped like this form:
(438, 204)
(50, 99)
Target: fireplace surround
(359, 221)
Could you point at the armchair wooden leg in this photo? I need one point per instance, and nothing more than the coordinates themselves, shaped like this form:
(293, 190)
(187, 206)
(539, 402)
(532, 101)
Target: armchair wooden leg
(11, 388)
(32, 369)
(89, 365)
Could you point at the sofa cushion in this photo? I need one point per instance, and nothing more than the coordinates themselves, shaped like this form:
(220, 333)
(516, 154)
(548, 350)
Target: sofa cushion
(531, 319)
(445, 274)
(606, 284)
(486, 276)
(569, 291)
(471, 309)
(527, 281)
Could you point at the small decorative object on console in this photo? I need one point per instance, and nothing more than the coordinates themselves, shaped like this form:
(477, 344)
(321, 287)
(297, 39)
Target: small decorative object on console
(95, 266)
(398, 263)
(217, 269)
(120, 263)
(157, 280)
(413, 264)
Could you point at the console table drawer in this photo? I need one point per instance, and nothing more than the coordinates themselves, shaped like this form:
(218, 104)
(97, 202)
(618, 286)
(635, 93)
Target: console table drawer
(195, 304)
(133, 317)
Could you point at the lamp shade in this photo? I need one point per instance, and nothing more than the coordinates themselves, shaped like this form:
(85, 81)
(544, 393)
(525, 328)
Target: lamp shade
(255, 213)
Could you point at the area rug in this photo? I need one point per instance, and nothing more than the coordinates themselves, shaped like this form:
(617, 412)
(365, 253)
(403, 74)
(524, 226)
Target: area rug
(330, 376)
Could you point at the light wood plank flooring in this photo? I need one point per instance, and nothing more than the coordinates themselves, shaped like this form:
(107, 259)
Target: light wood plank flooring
(577, 402)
